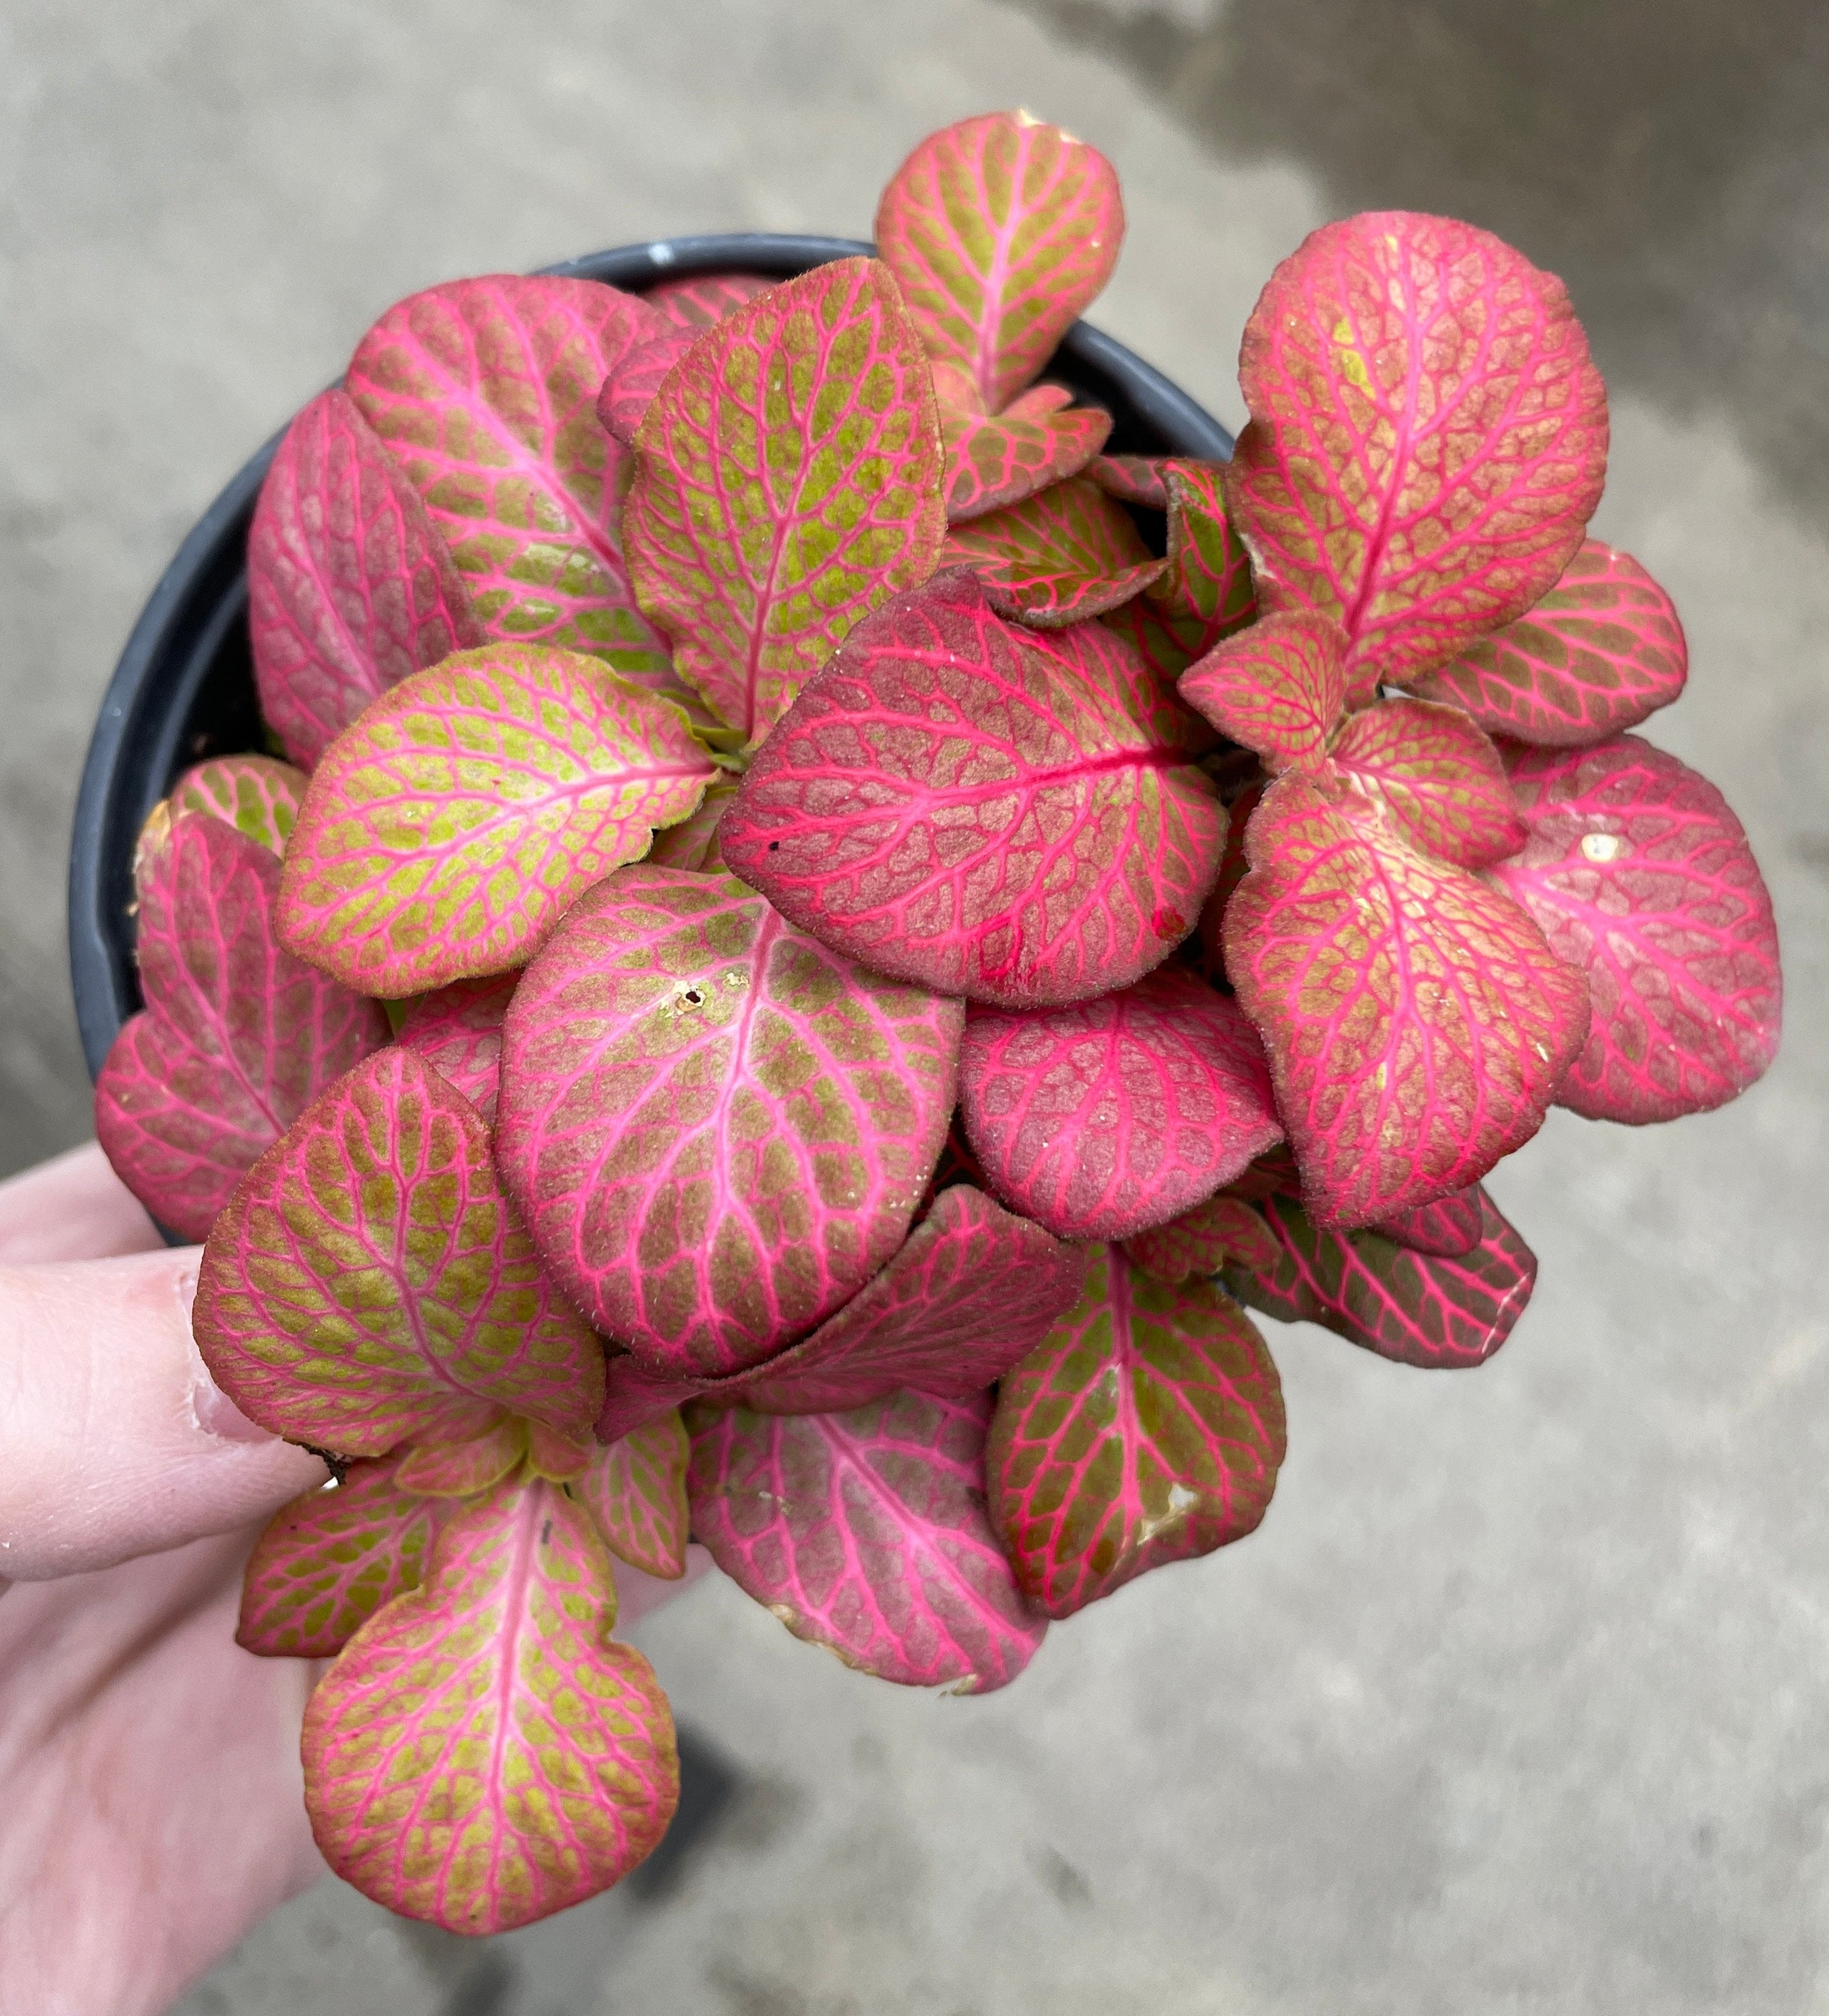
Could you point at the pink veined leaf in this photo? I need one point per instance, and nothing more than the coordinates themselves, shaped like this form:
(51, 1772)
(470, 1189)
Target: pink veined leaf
(254, 794)
(1142, 480)
(696, 302)
(463, 1469)
(1277, 688)
(1233, 869)
(1437, 777)
(629, 390)
(325, 1564)
(350, 586)
(867, 1532)
(560, 1458)
(1642, 878)
(693, 842)
(1016, 816)
(997, 459)
(1063, 556)
(1197, 1244)
(1001, 230)
(1148, 1428)
(1204, 593)
(1418, 1024)
(1437, 1312)
(788, 484)
(445, 834)
(635, 1490)
(369, 1283)
(1446, 1230)
(458, 1030)
(1273, 1174)
(1099, 1119)
(484, 1753)
(486, 390)
(1600, 653)
(973, 1290)
(719, 1130)
(237, 1037)
(1427, 439)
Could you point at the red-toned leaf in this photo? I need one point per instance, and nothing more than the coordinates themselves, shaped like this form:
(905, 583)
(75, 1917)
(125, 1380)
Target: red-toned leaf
(446, 833)
(1447, 1228)
(255, 795)
(866, 1532)
(463, 1469)
(1233, 869)
(629, 390)
(486, 392)
(1205, 594)
(1418, 1024)
(634, 1489)
(458, 1030)
(1001, 231)
(1147, 1429)
(1103, 1117)
(1641, 878)
(1142, 480)
(694, 842)
(1273, 1174)
(1017, 817)
(1601, 652)
(1438, 778)
(484, 1753)
(995, 459)
(1428, 438)
(350, 586)
(706, 298)
(1277, 688)
(1435, 1312)
(719, 1130)
(1198, 1242)
(327, 1562)
(1064, 555)
(238, 1037)
(788, 484)
(369, 1283)
(560, 1458)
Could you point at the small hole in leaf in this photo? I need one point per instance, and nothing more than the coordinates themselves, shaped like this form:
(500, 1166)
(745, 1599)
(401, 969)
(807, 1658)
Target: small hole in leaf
(774, 847)
(693, 998)
(1600, 847)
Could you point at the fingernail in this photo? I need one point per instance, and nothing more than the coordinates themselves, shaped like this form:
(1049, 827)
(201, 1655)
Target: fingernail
(212, 1409)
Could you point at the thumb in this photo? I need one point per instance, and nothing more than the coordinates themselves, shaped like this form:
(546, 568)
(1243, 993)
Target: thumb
(113, 1440)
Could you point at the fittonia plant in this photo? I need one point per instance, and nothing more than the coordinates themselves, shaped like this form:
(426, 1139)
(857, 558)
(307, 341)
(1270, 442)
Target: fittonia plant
(896, 926)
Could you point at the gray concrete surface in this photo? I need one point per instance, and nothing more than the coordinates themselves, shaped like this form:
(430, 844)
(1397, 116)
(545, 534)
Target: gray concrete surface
(1518, 1701)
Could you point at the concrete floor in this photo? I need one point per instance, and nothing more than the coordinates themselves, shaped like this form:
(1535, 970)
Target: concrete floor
(1518, 1702)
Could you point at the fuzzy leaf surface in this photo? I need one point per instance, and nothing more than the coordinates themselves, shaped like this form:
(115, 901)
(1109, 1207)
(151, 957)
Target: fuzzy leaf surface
(718, 1129)
(446, 833)
(1427, 439)
(629, 390)
(325, 1564)
(1277, 688)
(1197, 1244)
(635, 1490)
(369, 1283)
(1148, 1428)
(1418, 1024)
(1015, 816)
(1063, 556)
(1599, 654)
(996, 459)
(1642, 878)
(788, 484)
(237, 1037)
(485, 391)
(458, 1030)
(1106, 1116)
(1451, 1226)
(866, 1532)
(1438, 778)
(1205, 594)
(1141, 480)
(696, 302)
(484, 1753)
(350, 586)
(1418, 1308)
(1001, 230)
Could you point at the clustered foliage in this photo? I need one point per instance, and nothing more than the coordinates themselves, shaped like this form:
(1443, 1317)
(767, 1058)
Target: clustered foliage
(818, 937)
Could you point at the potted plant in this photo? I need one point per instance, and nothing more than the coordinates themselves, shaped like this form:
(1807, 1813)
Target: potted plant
(813, 930)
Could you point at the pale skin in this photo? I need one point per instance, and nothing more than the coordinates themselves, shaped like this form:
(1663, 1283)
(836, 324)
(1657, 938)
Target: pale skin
(150, 1796)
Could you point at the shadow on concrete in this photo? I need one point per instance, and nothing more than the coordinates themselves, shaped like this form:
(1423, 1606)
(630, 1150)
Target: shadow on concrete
(1669, 158)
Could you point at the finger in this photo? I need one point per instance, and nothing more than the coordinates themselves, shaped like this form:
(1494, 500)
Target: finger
(113, 1440)
(72, 1207)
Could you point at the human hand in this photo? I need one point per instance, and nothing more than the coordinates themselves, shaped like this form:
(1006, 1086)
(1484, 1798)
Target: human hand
(151, 1801)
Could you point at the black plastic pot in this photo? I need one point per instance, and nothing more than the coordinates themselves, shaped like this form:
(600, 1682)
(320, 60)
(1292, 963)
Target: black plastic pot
(184, 688)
